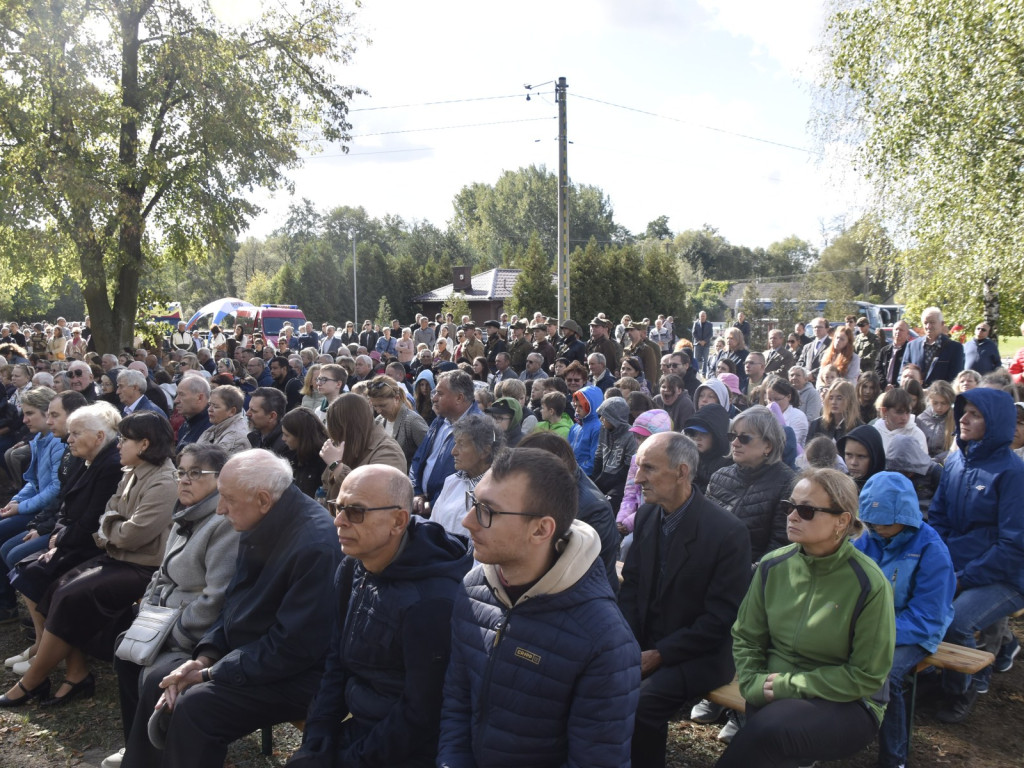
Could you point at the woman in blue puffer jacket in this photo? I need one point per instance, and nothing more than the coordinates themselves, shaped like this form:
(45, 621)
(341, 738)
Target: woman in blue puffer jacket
(917, 564)
(976, 511)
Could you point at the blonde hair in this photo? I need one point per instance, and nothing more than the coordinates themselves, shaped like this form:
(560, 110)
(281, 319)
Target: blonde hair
(842, 491)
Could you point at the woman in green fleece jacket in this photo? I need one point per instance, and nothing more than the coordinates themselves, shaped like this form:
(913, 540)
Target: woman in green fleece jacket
(813, 641)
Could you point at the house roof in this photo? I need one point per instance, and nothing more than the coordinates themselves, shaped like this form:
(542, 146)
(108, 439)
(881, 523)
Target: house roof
(492, 285)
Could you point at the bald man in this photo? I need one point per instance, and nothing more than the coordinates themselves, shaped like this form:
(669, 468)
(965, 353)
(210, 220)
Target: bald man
(386, 673)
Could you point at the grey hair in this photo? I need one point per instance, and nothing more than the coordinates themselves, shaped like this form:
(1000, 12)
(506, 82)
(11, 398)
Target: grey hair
(206, 455)
(537, 357)
(931, 311)
(62, 376)
(481, 432)
(598, 357)
(799, 368)
(762, 422)
(679, 449)
(101, 417)
(132, 378)
(365, 360)
(258, 470)
(258, 360)
(195, 384)
(459, 382)
(43, 379)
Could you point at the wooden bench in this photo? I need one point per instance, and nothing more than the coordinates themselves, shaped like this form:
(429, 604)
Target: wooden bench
(267, 736)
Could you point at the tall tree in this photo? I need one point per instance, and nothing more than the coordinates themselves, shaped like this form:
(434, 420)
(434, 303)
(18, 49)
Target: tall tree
(930, 94)
(125, 119)
(534, 289)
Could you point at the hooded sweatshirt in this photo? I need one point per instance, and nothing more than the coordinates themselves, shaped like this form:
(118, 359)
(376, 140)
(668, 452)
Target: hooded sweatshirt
(909, 429)
(714, 419)
(616, 446)
(976, 509)
(869, 437)
(584, 435)
(647, 423)
(721, 392)
(383, 622)
(915, 560)
(514, 432)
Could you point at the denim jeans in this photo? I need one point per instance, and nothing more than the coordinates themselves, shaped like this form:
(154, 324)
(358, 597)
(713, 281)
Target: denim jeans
(12, 529)
(973, 610)
(892, 736)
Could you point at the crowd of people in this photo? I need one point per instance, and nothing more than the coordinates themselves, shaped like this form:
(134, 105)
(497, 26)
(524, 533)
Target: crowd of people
(813, 519)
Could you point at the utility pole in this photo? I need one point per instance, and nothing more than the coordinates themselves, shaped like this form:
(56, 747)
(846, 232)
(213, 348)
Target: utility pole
(355, 292)
(563, 205)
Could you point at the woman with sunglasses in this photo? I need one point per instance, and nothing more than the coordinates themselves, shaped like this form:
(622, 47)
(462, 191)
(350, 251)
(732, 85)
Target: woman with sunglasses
(88, 606)
(198, 564)
(813, 641)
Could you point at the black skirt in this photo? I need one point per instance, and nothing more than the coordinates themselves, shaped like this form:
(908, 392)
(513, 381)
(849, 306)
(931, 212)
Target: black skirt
(90, 605)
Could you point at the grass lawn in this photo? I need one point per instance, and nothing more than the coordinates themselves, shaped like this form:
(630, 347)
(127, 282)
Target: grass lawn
(1008, 345)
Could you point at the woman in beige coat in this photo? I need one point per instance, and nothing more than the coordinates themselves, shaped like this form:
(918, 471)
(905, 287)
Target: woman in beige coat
(91, 604)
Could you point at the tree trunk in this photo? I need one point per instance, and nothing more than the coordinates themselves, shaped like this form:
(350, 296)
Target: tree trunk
(990, 298)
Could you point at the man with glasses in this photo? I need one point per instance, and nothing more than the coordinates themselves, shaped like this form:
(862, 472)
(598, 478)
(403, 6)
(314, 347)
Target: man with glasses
(80, 375)
(810, 358)
(679, 364)
(262, 661)
(534, 367)
(683, 581)
(379, 702)
(544, 670)
(981, 354)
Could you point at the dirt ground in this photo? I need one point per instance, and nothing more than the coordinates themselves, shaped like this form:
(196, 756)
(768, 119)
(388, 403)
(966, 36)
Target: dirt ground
(85, 732)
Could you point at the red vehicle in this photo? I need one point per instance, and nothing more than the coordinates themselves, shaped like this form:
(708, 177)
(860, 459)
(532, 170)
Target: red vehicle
(268, 320)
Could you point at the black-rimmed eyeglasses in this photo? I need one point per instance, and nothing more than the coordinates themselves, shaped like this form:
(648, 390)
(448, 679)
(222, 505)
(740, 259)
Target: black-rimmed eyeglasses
(353, 512)
(485, 514)
(193, 475)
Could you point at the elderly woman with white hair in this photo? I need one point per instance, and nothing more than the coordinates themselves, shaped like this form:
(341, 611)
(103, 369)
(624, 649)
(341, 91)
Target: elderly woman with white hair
(476, 443)
(88, 605)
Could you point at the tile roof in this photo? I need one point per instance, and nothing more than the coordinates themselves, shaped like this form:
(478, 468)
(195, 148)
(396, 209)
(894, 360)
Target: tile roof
(492, 285)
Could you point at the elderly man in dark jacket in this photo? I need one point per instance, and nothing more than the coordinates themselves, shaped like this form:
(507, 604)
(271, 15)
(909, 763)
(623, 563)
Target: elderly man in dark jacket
(544, 670)
(379, 703)
(683, 581)
(262, 660)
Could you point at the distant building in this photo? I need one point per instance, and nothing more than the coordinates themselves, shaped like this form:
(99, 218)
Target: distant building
(485, 293)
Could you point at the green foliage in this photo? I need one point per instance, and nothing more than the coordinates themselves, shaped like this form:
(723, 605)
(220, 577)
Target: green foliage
(384, 313)
(856, 264)
(658, 229)
(708, 297)
(713, 257)
(930, 95)
(120, 119)
(522, 204)
(534, 290)
(457, 305)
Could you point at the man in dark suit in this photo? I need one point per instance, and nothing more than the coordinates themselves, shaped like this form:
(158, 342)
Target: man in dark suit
(810, 358)
(683, 581)
(890, 357)
(937, 355)
(702, 333)
(777, 359)
(131, 389)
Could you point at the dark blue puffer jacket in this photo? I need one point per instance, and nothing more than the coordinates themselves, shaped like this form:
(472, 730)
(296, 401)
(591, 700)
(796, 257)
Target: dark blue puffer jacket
(388, 656)
(552, 681)
(976, 509)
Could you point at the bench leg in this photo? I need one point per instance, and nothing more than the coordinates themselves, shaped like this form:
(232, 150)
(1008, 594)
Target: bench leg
(267, 740)
(910, 713)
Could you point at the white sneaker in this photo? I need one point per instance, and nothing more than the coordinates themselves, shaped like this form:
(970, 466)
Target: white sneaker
(730, 729)
(706, 712)
(23, 656)
(114, 761)
(21, 667)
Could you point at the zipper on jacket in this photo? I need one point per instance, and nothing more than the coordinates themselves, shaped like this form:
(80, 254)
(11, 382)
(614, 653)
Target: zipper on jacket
(492, 657)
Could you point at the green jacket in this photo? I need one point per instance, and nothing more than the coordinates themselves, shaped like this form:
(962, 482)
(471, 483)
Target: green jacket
(560, 427)
(826, 625)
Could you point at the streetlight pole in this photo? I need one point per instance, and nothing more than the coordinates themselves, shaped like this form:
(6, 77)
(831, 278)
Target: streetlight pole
(355, 292)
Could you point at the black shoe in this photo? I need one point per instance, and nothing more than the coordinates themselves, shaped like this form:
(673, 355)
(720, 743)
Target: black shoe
(83, 689)
(41, 691)
(956, 708)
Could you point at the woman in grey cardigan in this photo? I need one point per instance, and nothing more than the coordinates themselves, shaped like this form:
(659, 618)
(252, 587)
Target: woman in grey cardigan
(229, 428)
(198, 565)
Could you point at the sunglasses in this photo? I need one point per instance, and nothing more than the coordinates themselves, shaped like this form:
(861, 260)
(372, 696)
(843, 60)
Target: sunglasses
(744, 438)
(354, 513)
(806, 511)
(76, 373)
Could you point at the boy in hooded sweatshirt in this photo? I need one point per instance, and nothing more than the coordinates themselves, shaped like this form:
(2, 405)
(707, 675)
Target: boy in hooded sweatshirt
(918, 566)
(708, 428)
(863, 452)
(584, 435)
(906, 457)
(616, 447)
(508, 416)
(552, 408)
(976, 510)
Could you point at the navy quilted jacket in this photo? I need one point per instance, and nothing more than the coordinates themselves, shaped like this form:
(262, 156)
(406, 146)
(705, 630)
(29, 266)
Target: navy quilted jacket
(551, 681)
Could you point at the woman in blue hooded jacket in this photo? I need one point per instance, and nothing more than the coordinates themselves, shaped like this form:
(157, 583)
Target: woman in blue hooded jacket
(917, 564)
(976, 511)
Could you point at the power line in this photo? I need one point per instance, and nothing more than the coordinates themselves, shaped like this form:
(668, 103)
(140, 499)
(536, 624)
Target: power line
(452, 127)
(438, 103)
(698, 125)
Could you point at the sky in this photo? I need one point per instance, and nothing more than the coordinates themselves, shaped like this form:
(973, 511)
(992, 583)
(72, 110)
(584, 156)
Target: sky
(698, 110)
